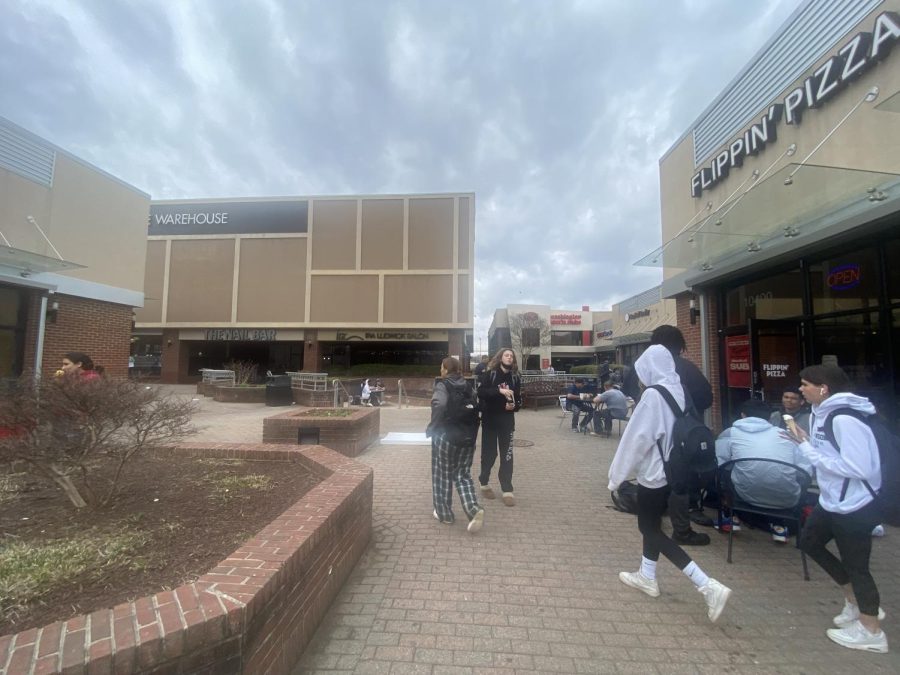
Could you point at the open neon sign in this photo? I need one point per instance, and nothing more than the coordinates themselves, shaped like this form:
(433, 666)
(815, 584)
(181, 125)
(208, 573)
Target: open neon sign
(843, 277)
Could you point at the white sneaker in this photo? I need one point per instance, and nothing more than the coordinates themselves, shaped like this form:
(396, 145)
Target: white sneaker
(640, 582)
(476, 522)
(878, 531)
(716, 595)
(850, 613)
(855, 636)
(438, 518)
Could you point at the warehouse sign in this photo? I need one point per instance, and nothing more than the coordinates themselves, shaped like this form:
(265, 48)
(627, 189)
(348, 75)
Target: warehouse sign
(857, 56)
(228, 217)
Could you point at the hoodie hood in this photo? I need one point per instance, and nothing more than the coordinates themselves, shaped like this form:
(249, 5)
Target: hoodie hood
(656, 366)
(752, 425)
(844, 400)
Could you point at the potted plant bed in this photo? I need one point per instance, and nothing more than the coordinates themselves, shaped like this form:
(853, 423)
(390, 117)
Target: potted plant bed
(347, 430)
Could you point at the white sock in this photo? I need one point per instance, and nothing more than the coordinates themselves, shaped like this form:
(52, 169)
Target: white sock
(695, 574)
(648, 568)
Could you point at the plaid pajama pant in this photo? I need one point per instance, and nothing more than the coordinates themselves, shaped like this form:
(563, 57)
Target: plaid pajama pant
(452, 464)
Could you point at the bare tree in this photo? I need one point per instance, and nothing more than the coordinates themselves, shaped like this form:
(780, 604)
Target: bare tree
(62, 428)
(527, 332)
(244, 371)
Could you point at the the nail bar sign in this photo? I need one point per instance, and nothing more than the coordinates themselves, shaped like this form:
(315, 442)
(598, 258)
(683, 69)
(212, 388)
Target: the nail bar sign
(862, 52)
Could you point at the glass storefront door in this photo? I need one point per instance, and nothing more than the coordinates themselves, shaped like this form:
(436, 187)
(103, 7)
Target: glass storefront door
(12, 328)
(776, 349)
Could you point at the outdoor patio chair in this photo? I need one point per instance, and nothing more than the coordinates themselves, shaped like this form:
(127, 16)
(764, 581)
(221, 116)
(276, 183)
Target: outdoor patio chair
(729, 502)
(565, 410)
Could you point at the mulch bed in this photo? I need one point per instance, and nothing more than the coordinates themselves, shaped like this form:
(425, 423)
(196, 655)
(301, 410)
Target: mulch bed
(189, 513)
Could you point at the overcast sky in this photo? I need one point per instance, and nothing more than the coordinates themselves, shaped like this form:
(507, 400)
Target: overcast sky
(555, 113)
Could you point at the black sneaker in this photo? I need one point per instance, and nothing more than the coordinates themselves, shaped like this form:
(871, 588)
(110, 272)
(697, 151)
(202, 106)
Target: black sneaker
(691, 538)
(699, 518)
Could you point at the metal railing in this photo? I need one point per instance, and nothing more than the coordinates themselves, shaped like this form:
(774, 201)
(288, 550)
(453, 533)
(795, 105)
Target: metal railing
(309, 381)
(211, 376)
(340, 393)
(401, 394)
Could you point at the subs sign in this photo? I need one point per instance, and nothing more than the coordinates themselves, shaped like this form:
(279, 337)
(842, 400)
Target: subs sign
(862, 52)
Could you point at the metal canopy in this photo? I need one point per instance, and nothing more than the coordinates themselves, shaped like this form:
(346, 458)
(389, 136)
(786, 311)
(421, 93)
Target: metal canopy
(795, 201)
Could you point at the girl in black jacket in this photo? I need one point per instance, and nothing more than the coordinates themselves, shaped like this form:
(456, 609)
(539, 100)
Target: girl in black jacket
(500, 393)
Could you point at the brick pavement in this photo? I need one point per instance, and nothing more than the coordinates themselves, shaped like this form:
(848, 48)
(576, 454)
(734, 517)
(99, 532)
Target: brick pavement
(536, 590)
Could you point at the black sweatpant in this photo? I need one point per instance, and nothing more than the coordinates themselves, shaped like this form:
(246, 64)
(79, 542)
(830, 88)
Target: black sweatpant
(496, 434)
(651, 506)
(852, 533)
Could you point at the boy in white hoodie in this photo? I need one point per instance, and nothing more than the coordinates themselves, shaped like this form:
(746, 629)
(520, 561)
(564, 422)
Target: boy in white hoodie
(848, 475)
(639, 455)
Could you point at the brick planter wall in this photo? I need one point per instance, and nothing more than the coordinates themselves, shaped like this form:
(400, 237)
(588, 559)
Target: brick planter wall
(240, 394)
(253, 613)
(349, 435)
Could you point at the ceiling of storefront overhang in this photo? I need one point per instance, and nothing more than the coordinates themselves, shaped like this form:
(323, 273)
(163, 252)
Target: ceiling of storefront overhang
(796, 201)
(25, 263)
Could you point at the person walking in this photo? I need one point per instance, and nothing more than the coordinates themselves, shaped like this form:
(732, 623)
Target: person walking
(80, 365)
(453, 427)
(500, 393)
(844, 452)
(645, 444)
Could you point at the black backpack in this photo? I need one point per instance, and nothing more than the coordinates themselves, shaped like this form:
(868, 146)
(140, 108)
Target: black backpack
(624, 498)
(460, 425)
(693, 445)
(888, 497)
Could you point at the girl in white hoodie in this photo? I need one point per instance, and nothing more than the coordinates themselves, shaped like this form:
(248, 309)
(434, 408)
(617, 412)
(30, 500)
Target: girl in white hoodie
(847, 510)
(639, 455)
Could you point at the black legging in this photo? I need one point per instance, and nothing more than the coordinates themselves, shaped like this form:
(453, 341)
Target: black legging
(852, 532)
(651, 504)
(496, 434)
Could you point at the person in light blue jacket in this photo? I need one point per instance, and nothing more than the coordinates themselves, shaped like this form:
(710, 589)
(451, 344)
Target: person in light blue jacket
(764, 484)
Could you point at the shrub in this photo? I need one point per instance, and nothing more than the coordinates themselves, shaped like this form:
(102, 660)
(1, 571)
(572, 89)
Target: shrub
(583, 370)
(64, 427)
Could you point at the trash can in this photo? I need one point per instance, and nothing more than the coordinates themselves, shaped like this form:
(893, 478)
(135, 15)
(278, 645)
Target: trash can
(278, 390)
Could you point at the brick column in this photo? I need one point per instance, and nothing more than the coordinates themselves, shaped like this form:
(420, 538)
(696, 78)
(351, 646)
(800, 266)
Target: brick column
(692, 337)
(174, 368)
(311, 352)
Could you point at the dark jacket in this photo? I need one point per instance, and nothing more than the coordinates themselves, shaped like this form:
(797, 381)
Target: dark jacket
(492, 401)
(696, 385)
(439, 402)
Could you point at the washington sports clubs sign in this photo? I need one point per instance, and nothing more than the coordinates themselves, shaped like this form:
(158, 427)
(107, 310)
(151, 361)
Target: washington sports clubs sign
(857, 56)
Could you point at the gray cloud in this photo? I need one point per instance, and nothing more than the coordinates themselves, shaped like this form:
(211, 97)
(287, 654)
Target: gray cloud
(554, 113)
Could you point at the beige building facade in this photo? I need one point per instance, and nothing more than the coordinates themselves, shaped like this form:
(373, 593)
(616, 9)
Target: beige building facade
(626, 334)
(781, 211)
(308, 283)
(71, 257)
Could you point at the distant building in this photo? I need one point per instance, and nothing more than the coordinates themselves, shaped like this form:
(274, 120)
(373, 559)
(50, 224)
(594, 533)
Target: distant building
(626, 334)
(75, 288)
(569, 341)
(308, 283)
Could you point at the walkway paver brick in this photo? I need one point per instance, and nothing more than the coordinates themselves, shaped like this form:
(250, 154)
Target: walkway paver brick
(536, 591)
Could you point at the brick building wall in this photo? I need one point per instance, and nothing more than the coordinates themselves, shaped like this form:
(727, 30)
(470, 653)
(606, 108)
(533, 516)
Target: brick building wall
(694, 352)
(102, 330)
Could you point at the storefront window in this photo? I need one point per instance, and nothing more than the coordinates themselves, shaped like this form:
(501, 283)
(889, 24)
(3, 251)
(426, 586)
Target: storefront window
(892, 254)
(855, 344)
(777, 297)
(566, 338)
(10, 330)
(845, 282)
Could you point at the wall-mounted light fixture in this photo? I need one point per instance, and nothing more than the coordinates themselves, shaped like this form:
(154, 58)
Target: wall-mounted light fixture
(169, 342)
(694, 311)
(52, 311)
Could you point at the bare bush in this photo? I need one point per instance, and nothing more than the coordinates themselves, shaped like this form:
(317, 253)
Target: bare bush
(64, 427)
(244, 371)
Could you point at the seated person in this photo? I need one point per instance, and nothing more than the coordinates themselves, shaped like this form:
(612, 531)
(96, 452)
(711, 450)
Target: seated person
(772, 486)
(376, 392)
(791, 404)
(615, 406)
(578, 400)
